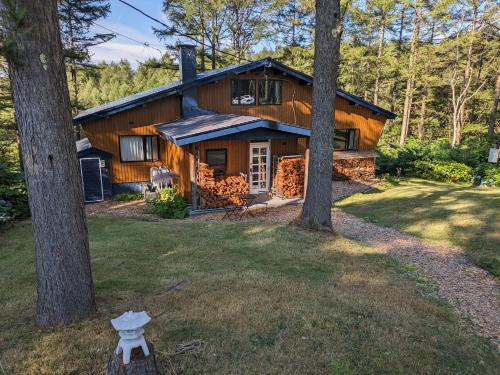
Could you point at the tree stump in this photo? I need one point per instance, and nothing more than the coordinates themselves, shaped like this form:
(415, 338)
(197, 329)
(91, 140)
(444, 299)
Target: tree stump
(139, 364)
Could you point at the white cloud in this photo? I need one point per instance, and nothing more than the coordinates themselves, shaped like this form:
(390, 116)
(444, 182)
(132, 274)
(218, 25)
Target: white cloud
(115, 51)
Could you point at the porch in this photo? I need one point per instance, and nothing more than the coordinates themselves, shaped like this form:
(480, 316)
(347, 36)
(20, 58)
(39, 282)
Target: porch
(232, 155)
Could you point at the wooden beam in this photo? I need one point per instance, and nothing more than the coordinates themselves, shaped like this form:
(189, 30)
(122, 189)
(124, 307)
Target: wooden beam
(306, 172)
(192, 179)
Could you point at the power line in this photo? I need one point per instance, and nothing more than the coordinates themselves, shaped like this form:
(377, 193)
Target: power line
(146, 44)
(171, 30)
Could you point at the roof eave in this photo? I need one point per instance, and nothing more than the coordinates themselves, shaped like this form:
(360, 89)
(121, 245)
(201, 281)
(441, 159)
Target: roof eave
(213, 134)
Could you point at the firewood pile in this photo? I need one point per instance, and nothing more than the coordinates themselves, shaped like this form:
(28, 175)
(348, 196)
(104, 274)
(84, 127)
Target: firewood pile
(354, 169)
(218, 192)
(289, 177)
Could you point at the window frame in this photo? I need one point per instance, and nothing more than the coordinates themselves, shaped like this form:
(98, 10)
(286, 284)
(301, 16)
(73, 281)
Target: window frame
(239, 91)
(144, 148)
(225, 158)
(346, 141)
(281, 91)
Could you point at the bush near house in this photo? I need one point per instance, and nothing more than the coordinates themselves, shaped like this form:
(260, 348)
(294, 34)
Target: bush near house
(13, 196)
(169, 204)
(447, 171)
(440, 161)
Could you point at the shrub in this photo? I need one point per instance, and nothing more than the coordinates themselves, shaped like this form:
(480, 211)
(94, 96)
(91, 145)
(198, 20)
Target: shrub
(13, 196)
(446, 162)
(127, 197)
(169, 204)
(488, 174)
(447, 171)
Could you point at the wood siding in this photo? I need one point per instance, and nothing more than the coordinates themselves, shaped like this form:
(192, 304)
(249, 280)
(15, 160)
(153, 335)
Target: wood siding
(296, 108)
(104, 134)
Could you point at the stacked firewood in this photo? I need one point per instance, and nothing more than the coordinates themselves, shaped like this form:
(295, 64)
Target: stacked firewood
(354, 169)
(289, 178)
(220, 191)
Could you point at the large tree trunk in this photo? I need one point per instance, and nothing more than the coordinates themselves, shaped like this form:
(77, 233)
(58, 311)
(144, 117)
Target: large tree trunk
(410, 83)
(381, 37)
(492, 120)
(316, 213)
(39, 87)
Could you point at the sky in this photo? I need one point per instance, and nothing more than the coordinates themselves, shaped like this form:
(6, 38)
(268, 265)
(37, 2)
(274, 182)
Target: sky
(132, 24)
(125, 20)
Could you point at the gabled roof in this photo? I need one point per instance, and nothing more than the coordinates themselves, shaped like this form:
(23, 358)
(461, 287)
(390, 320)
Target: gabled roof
(173, 88)
(217, 125)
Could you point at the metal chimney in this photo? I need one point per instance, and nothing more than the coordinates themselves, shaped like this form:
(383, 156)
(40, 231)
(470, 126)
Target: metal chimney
(187, 68)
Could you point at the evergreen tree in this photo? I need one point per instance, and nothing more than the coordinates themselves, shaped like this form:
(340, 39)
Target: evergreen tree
(75, 18)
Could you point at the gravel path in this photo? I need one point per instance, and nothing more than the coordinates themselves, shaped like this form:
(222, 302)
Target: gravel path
(473, 292)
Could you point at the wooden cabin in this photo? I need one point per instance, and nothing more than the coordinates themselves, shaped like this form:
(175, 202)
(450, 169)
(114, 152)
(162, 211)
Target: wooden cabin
(234, 119)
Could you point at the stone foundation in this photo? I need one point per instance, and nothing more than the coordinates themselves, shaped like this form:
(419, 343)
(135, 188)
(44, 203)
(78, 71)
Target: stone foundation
(354, 169)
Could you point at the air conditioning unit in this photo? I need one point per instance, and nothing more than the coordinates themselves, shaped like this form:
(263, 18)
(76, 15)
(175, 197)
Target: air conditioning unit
(494, 155)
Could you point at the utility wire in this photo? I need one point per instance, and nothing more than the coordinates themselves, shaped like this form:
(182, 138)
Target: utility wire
(146, 44)
(173, 31)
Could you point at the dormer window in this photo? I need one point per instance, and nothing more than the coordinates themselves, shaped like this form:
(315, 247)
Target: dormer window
(243, 92)
(270, 91)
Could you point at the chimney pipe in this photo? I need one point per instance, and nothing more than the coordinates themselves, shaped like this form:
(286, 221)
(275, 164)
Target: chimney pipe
(187, 62)
(187, 69)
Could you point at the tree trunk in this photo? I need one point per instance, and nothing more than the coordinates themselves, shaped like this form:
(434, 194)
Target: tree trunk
(65, 291)
(213, 56)
(316, 212)
(138, 365)
(468, 64)
(379, 59)
(410, 83)
(423, 105)
(398, 55)
(73, 72)
(492, 120)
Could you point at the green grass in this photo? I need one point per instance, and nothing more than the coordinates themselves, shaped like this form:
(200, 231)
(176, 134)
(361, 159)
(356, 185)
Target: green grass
(448, 214)
(266, 298)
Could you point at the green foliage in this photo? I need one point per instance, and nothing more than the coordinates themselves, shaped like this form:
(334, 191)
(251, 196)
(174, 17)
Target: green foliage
(169, 204)
(447, 171)
(488, 174)
(13, 197)
(128, 197)
(438, 160)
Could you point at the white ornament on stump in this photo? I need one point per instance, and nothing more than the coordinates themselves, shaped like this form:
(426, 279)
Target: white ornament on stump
(130, 327)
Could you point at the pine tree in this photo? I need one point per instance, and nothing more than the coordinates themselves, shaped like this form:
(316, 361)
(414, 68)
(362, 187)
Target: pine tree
(76, 17)
(316, 212)
(65, 290)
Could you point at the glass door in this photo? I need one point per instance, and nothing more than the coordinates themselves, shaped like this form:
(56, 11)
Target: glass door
(259, 167)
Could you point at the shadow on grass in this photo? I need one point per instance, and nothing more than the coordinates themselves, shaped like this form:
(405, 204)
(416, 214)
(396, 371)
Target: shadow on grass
(265, 298)
(466, 217)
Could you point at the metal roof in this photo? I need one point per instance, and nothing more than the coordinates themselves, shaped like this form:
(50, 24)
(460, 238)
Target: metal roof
(136, 100)
(216, 125)
(85, 148)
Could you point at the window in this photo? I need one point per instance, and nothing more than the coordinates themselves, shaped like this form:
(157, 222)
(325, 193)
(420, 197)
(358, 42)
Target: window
(217, 159)
(243, 91)
(139, 148)
(345, 139)
(270, 91)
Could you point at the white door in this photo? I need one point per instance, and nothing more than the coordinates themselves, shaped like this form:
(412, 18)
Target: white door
(260, 163)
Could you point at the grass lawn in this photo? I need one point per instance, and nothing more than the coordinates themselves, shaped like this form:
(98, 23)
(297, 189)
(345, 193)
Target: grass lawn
(266, 298)
(467, 217)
